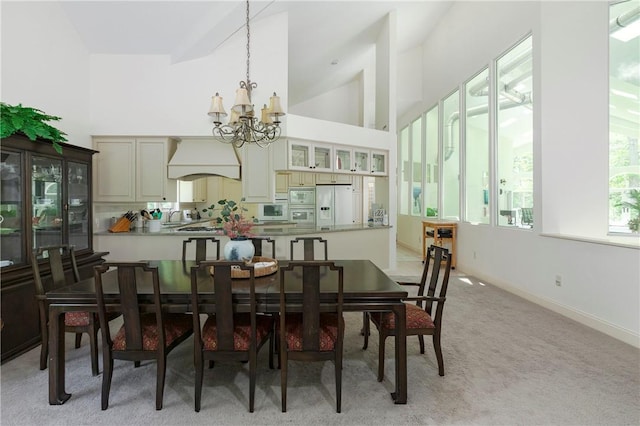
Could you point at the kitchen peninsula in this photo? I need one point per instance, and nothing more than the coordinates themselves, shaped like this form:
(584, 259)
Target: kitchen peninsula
(345, 241)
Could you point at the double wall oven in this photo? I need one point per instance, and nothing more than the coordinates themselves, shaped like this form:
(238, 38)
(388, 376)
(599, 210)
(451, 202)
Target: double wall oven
(302, 206)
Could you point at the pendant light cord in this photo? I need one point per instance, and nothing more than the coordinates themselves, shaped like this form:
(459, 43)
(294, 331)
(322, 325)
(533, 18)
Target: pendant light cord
(248, 44)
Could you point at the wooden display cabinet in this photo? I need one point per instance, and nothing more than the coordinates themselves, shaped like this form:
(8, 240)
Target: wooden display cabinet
(45, 200)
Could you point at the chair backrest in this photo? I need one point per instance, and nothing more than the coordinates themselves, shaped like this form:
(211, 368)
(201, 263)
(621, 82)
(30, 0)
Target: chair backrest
(219, 281)
(526, 215)
(308, 247)
(201, 247)
(126, 280)
(435, 279)
(319, 294)
(257, 243)
(54, 256)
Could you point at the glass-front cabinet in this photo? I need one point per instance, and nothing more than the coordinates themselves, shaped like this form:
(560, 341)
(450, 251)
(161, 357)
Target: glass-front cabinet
(45, 200)
(59, 207)
(379, 163)
(12, 209)
(360, 161)
(310, 156)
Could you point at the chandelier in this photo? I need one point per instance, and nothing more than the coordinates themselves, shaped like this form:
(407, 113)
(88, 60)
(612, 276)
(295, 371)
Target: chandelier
(243, 126)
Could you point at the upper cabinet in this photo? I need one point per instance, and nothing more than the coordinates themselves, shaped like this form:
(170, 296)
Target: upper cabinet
(46, 198)
(258, 179)
(330, 158)
(193, 191)
(133, 169)
(379, 163)
(308, 156)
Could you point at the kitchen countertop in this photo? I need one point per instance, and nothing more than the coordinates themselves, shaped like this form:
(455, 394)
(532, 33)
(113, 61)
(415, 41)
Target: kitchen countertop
(269, 229)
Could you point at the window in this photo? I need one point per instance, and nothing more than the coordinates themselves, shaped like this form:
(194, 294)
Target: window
(416, 167)
(451, 156)
(624, 119)
(430, 196)
(477, 148)
(514, 133)
(404, 171)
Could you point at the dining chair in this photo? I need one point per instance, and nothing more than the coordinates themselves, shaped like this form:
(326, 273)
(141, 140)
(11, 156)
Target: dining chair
(258, 242)
(425, 316)
(147, 333)
(308, 247)
(227, 335)
(201, 247)
(74, 322)
(311, 327)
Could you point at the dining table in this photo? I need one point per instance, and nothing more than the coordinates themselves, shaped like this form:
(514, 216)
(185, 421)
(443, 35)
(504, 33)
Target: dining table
(366, 289)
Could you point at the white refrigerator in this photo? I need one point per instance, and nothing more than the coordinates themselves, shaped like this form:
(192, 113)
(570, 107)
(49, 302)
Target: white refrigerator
(334, 205)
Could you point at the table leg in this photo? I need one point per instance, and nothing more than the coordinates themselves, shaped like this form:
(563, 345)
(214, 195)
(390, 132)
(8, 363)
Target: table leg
(57, 395)
(400, 395)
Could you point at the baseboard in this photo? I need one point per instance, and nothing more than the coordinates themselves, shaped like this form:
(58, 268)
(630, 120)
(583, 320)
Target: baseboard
(417, 251)
(615, 331)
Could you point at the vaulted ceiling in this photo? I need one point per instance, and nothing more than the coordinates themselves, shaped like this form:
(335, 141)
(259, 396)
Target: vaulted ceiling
(320, 32)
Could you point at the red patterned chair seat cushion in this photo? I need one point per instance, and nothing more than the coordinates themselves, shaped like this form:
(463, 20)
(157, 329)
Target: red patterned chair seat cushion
(175, 326)
(417, 317)
(241, 334)
(76, 319)
(328, 331)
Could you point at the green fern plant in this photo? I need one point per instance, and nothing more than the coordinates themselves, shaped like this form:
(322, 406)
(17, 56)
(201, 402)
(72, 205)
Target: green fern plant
(30, 121)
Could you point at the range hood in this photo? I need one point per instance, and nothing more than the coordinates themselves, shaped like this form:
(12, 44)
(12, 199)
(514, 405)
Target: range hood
(202, 157)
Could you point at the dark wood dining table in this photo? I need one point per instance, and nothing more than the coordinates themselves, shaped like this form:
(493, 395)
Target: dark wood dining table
(366, 288)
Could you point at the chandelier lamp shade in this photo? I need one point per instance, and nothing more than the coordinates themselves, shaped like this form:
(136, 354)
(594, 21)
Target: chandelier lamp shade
(243, 126)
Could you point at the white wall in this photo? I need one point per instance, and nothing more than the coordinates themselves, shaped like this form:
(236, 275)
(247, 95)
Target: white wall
(342, 105)
(409, 85)
(575, 111)
(148, 95)
(599, 280)
(46, 66)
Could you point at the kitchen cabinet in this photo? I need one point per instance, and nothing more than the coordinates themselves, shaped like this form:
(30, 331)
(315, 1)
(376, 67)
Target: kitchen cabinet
(310, 156)
(282, 183)
(219, 187)
(45, 200)
(379, 163)
(194, 191)
(331, 158)
(133, 169)
(333, 178)
(352, 160)
(302, 179)
(258, 179)
(360, 161)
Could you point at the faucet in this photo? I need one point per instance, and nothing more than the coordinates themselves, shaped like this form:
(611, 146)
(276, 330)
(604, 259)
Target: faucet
(171, 213)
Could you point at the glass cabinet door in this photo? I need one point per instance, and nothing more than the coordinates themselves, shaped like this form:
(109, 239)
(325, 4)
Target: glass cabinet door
(46, 194)
(78, 205)
(343, 160)
(378, 163)
(361, 161)
(322, 158)
(300, 156)
(11, 210)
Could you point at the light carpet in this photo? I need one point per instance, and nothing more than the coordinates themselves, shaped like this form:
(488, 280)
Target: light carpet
(507, 361)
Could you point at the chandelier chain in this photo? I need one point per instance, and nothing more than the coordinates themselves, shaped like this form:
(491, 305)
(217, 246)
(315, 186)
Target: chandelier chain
(247, 127)
(248, 44)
